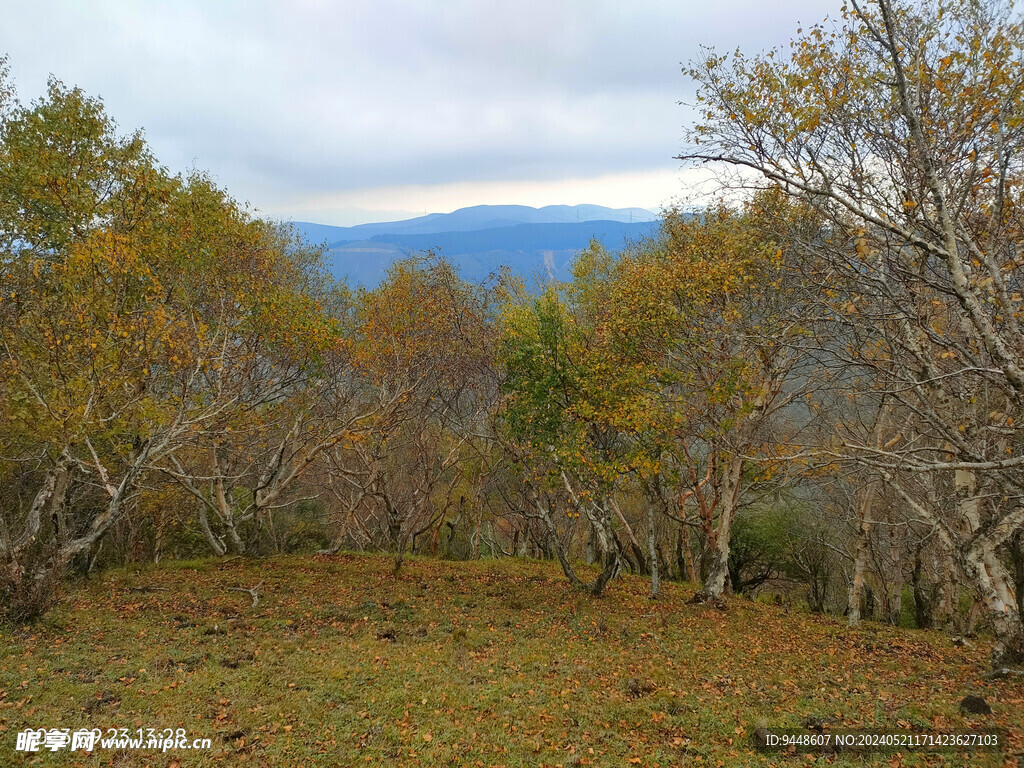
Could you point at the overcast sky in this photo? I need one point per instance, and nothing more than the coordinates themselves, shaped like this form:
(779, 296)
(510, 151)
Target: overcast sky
(310, 109)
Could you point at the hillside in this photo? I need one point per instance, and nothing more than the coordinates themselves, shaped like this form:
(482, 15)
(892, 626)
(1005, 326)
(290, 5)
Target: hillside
(493, 663)
(546, 250)
(481, 239)
(475, 218)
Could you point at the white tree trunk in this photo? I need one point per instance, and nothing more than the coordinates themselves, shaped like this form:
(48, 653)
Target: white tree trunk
(863, 553)
(714, 587)
(990, 580)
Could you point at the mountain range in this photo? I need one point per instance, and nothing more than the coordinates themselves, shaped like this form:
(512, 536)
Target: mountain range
(533, 242)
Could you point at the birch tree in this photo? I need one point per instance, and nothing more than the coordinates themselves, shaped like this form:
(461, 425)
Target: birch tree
(901, 127)
(128, 297)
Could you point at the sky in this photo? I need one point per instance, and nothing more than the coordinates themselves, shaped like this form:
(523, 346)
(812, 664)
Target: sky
(368, 110)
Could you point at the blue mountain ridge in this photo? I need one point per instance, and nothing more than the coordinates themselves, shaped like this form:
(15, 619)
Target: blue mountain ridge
(522, 237)
(480, 240)
(474, 218)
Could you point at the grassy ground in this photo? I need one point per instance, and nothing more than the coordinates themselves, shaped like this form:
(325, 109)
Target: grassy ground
(477, 664)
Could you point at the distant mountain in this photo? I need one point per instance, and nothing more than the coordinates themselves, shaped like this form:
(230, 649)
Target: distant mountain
(533, 242)
(474, 218)
(544, 250)
(523, 237)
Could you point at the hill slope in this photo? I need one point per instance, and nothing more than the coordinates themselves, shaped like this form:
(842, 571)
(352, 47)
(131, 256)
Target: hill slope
(453, 663)
(527, 249)
(476, 217)
(479, 240)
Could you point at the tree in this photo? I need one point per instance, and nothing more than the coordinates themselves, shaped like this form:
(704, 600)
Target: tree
(572, 391)
(131, 301)
(901, 129)
(757, 551)
(724, 344)
(421, 352)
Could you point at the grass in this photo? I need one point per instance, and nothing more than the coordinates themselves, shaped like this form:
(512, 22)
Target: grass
(477, 664)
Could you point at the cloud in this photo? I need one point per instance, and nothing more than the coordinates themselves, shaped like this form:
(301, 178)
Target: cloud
(653, 190)
(320, 100)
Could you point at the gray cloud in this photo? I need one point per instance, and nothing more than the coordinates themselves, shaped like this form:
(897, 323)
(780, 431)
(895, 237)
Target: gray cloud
(315, 97)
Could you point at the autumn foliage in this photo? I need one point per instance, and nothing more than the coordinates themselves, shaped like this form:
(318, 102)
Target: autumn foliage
(808, 389)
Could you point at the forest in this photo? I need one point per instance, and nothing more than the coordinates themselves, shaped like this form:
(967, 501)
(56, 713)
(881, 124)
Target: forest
(809, 391)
